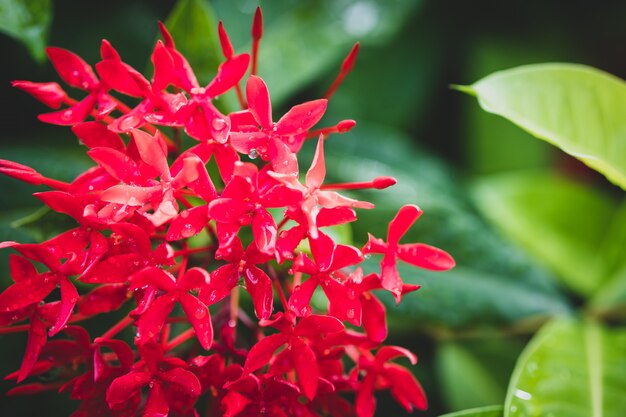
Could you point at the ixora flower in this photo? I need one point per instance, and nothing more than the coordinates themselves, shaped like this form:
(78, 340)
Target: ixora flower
(186, 260)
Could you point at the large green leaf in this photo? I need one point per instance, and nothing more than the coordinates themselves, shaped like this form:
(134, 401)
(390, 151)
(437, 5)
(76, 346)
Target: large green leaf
(488, 138)
(577, 108)
(493, 283)
(28, 21)
(573, 369)
(193, 26)
(489, 411)
(563, 223)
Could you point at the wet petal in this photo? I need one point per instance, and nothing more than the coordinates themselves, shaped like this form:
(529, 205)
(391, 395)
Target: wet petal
(259, 285)
(305, 363)
(198, 315)
(228, 75)
(407, 215)
(302, 117)
(425, 256)
(124, 387)
(259, 102)
(71, 68)
(261, 353)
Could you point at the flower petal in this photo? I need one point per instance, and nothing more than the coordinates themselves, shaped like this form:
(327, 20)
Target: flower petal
(259, 102)
(425, 256)
(314, 325)
(405, 388)
(228, 75)
(36, 340)
(302, 117)
(125, 386)
(198, 314)
(184, 380)
(407, 215)
(71, 68)
(261, 353)
(264, 231)
(259, 285)
(305, 363)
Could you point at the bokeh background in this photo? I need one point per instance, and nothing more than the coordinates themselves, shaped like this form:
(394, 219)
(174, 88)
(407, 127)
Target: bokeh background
(473, 173)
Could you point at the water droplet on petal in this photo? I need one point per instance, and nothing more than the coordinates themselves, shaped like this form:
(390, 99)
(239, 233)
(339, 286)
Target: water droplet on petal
(350, 314)
(305, 311)
(184, 214)
(200, 313)
(129, 122)
(254, 154)
(187, 231)
(218, 124)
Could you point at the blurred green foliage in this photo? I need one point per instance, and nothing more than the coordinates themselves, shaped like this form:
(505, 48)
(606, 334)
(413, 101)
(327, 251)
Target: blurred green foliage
(529, 247)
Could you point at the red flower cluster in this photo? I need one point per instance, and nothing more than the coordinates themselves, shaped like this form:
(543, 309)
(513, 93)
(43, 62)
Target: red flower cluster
(184, 257)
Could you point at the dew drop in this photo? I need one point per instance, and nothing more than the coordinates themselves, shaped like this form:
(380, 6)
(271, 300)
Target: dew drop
(90, 188)
(367, 256)
(129, 122)
(350, 314)
(218, 124)
(254, 154)
(305, 310)
(184, 214)
(187, 230)
(351, 294)
(523, 395)
(200, 313)
(132, 201)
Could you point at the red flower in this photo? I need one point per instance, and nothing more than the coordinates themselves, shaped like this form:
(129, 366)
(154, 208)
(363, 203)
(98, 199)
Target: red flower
(152, 316)
(166, 377)
(417, 254)
(314, 197)
(299, 354)
(241, 263)
(245, 200)
(329, 258)
(275, 142)
(380, 374)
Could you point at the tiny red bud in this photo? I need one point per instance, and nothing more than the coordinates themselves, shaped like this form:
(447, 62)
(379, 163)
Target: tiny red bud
(167, 38)
(257, 24)
(383, 182)
(349, 61)
(345, 126)
(227, 47)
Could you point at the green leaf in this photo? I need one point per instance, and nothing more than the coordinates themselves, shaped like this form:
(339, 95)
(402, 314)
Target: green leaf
(494, 283)
(489, 411)
(573, 369)
(27, 21)
(193, 26)
(562, 223)
(611, 298)
(488, 139)
(475, 373)
(577, 108)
